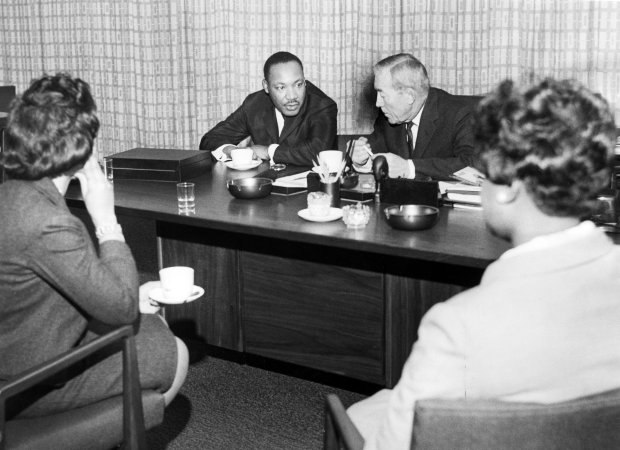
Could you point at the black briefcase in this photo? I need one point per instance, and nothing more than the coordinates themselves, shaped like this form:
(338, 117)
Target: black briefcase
(158, 164)
(401, 191)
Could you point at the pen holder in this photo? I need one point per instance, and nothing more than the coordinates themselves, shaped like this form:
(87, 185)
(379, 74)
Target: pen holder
(332, 189)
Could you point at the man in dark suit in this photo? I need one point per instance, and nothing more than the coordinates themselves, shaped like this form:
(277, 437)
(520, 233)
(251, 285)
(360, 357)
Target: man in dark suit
(422, 131)
(290, 121)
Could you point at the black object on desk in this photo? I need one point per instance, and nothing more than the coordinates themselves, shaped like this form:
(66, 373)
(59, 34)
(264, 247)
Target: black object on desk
(160, 164)
(275, 174)
(402, 191)
(354, 194)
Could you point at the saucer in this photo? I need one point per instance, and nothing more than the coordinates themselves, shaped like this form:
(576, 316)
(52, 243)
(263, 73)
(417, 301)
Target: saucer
(334, 214)
(252, 165)
(157, 294)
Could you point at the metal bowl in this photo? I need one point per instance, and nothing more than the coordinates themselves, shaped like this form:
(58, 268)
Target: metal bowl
(411, 217)
(249, 187)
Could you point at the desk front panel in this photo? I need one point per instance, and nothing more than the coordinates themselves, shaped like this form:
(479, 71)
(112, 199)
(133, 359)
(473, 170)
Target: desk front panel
(340, 311)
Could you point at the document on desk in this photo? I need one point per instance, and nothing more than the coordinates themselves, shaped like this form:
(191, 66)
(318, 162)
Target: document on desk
(291, 184)
(299, 180)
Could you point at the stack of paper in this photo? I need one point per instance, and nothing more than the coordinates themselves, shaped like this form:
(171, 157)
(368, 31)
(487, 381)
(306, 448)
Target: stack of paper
(460, 193)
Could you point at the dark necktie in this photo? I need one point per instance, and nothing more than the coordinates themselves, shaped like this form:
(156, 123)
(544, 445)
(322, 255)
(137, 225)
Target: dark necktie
(410, 146)
(288, 121)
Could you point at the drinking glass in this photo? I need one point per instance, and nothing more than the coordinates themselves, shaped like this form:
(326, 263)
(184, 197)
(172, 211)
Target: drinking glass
(186, 198)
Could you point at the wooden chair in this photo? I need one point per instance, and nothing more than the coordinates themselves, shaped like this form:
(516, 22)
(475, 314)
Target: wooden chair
(101, 425)
(340, 431)
(591, 422)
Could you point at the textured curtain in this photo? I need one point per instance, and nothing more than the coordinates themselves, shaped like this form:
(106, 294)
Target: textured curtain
(165, 71)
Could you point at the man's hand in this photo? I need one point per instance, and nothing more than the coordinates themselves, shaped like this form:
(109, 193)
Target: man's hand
(398, 167)
(226, 150)
(261, 151)
(361, 151)
(97, 192)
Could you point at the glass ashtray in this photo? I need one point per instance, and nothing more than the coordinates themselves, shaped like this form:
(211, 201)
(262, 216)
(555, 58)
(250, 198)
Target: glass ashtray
(356, 216)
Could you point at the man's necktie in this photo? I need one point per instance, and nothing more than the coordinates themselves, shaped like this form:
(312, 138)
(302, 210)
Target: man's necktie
(410, 138)
(287, 124)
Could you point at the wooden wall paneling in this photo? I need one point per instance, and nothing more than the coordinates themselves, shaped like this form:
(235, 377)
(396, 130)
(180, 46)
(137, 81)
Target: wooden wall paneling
(407, 300)
(214, 317)
(318, 315)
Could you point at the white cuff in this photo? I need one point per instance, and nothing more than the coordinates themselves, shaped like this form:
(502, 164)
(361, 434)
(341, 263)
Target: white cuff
(109, 232)
(218, 153)
(271, 150)
(411, 174)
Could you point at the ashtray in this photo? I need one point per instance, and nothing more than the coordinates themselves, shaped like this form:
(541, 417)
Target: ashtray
(411, 217)
(248, 188)
(356, 216)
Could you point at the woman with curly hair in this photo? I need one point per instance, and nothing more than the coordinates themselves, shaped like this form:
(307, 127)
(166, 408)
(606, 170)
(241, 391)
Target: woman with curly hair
(542, 326)
(56, 291)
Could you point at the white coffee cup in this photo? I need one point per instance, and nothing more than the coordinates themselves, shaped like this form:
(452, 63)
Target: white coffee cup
(177, 282)
(242, 156)
(332, 158)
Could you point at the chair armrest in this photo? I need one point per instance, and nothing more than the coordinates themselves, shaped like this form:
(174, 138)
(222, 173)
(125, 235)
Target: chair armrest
(339, 429)
(35, 375)
(133, 419)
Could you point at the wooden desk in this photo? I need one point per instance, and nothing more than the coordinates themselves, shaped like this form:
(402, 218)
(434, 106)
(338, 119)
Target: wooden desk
(313, 294)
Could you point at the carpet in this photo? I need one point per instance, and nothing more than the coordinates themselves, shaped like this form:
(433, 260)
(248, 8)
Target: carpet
(226, 405)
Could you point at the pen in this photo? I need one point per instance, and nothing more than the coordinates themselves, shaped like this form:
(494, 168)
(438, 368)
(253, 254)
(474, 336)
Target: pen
(371, 154)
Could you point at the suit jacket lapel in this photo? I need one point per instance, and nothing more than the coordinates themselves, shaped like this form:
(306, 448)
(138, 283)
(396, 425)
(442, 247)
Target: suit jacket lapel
(428, 124)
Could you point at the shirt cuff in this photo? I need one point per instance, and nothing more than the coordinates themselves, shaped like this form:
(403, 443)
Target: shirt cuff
(109, 232)
(218, 153)
(271, 150)
(411, 174)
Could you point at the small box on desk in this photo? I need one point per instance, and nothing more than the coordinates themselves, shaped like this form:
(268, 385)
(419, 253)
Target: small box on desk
(160, 164)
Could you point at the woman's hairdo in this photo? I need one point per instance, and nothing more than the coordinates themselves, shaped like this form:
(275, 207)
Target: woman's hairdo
(557, 137)
(51, 128)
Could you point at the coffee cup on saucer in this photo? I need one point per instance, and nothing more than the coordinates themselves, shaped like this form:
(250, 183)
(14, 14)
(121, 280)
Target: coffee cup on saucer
(177, 282)
(242, 156)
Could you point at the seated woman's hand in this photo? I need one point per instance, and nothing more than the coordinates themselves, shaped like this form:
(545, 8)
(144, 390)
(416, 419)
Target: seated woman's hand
(97, 192)
(148, 306)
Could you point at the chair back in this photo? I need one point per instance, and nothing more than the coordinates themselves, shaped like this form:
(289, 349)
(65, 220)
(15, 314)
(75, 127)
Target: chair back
(7, 94)
(591, 422)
